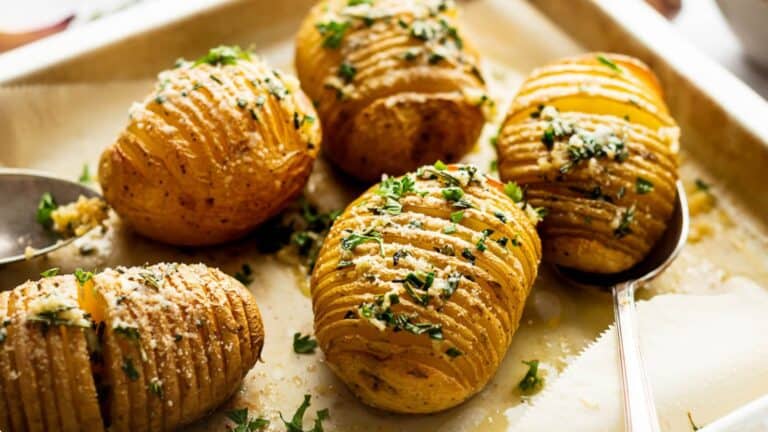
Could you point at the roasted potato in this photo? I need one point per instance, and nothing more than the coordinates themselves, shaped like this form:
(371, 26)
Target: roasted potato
(221, 145)
(420, 285)
(590, 140)
(396, 83)
(129, 349)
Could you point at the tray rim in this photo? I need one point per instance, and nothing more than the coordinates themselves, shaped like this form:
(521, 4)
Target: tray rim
(708, 78)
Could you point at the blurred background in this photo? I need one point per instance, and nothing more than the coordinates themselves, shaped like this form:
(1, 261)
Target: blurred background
(733, 32)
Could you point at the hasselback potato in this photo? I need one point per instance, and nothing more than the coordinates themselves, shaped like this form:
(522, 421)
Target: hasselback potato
(221, 145)
(591, 140)
(396, 83)
(420, 285)
(129, 349)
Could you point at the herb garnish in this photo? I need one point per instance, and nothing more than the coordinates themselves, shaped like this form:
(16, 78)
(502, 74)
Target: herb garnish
(457, 216)
(82, 276)
(702, 185)
(467, 254)
(626, 219)
(353, 239)
(643, 186)
(604, 60)
(303, 344)
(128, 332)
(297, 421)
(333, 31)
(347, 71)
(514, 191)
(85, 175)
(45, 207)
(452, 193)
(480, 245)
(417, 286)
(531, 382)
(156, 387)
(50, 272)
(453, 352)
(243, 423)
(129, 370)
(223, 55)
(245, 275)
(397, 256)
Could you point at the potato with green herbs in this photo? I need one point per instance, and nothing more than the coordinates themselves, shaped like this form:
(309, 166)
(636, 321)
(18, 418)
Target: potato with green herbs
(128, 349)
(220, 146)
(591, 141)
(420, 285)
(396, 83)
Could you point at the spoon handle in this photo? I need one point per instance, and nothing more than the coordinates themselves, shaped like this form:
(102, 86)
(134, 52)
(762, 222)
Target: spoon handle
(639, 408)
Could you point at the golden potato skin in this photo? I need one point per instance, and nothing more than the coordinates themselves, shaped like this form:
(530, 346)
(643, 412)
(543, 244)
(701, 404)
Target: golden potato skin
(387, 365)
(606, 206)
(395, 83)
(216, 149)
(176, 340)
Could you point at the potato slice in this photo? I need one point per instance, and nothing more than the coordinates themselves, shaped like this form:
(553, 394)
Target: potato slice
(420, 285)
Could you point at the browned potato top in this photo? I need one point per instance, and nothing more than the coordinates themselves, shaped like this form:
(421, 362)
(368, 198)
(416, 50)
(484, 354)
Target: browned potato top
(167, 344)
(396, 83)
(420, 286)
(221, 145)
(591, 141)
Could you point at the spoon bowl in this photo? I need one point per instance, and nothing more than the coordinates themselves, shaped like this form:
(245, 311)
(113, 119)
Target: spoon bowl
(21, 190)
(639, 409)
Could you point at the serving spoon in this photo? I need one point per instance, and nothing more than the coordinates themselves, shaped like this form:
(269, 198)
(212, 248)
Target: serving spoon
(21, 191)
(639, 408)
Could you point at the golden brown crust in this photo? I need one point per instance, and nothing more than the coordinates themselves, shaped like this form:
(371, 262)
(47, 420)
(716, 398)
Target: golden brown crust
(396, 84)
(591, 140)
(213, 152)
(152, 353)
(480, 273)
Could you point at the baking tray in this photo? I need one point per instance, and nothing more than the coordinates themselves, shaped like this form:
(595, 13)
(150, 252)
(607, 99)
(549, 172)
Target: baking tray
(723, 121)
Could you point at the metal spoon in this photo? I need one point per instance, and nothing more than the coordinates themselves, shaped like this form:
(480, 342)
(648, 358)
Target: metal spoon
(21, 191)
(639, 409)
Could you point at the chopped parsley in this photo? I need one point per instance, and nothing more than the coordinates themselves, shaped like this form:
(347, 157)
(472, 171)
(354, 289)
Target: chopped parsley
(243, 423)
(45, 207)
(457, 216)
(347, 72)
(358, 2)
(129, 369)
(500, 216)
(417, 286)
(381, 312)
(353, 239)
(702, 185)
(467, 254)
(303, 344)
(626, 219)
(50, 272)
(85, 175)
(440, 166)
(127, 332)
(152, 280)
(643, 186)
(607, 62)
(297, 421)
(245, 275)
(453, 352)
(531, 382)
(514, 191)
(332, 32)
(82, 276)
(392, 189)
(480, 245)
(397, 256)
(451, 285)
(156, 387)
(223, 55)
(452, 193)
(592, 146)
